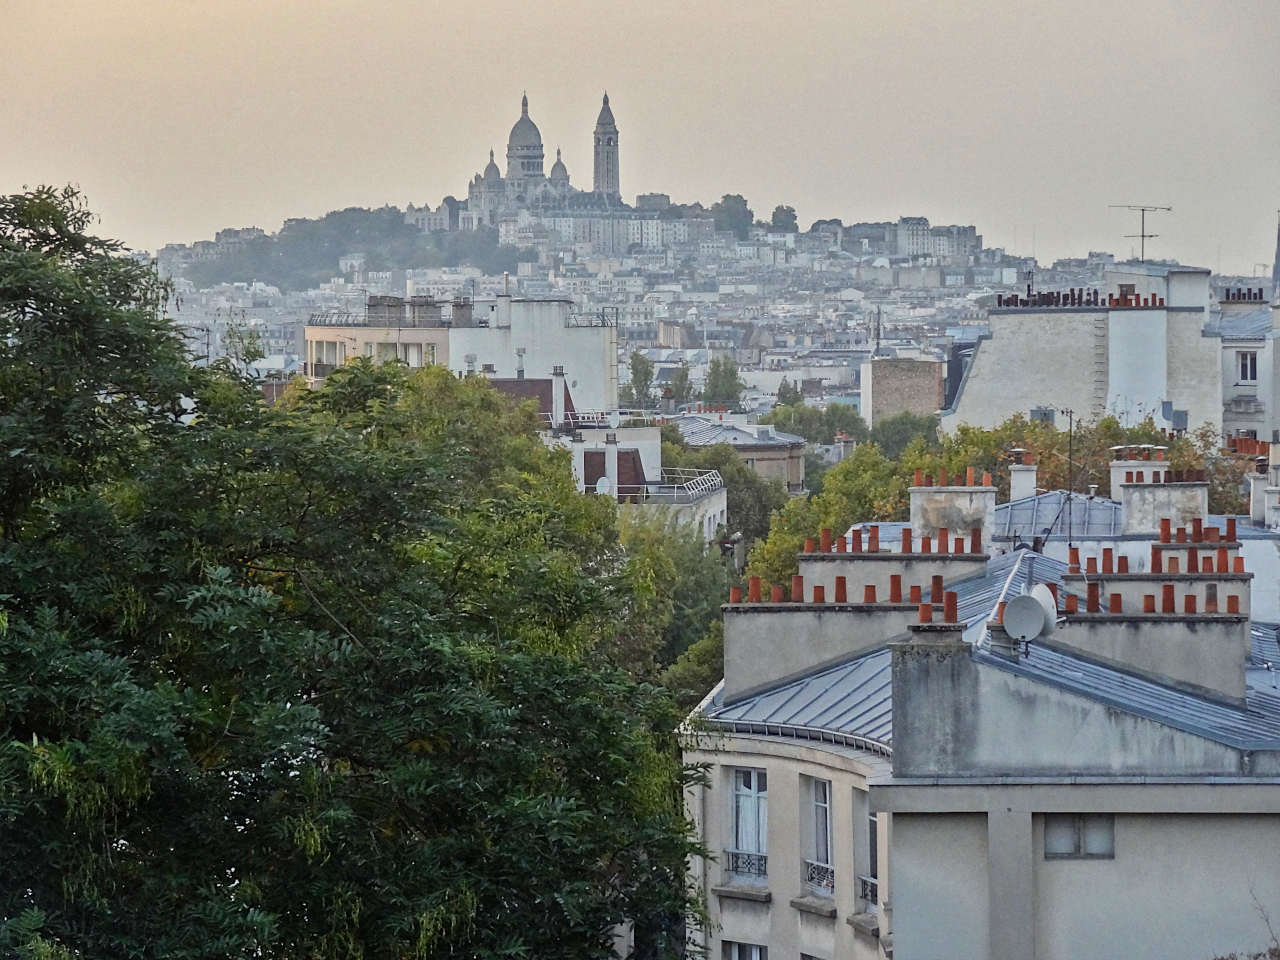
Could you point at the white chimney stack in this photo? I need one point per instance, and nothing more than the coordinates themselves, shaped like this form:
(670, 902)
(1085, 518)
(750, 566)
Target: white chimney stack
(557, 396)
(579, 461)
(1022, 475)
(611, 461)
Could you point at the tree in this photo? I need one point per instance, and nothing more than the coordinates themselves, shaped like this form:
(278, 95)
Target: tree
(680, 385)
(641, 379)
(731, 212)
(784, 219)
(723, 386)
(788, 395)
(818, 426)
(319, 679)
(676, 585)
(751, 498)
(893, 434)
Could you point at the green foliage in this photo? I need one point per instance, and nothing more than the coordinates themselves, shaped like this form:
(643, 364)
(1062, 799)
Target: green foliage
(723, 386)
(315, 680)
(731, 212)
(751, 499)
(641, 380)
(866, 485)
(818, 426)
(680, 386)
(676, 586)
(784, 218)
(698, 669)
(894, 434)
(789, 396)
(305, 252)
(871, 485)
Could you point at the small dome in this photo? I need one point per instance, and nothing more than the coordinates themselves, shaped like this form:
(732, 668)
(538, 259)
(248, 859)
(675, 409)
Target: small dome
(491, 172)
(525, 133)
(558, 170)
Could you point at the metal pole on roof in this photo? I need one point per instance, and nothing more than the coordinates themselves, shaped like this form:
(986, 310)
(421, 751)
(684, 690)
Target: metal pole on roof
(1071, 469)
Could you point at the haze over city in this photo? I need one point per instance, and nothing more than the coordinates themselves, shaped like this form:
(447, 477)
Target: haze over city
(178, 119)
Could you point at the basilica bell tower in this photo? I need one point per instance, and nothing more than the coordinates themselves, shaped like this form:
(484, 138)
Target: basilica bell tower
(606, 153)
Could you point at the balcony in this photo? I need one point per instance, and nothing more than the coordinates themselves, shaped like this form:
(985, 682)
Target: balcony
(677, 486)
(745, 865)
(868, 889)
(819, 878)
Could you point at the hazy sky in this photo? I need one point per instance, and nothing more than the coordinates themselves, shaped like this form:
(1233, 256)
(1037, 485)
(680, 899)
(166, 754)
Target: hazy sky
(1024, 117)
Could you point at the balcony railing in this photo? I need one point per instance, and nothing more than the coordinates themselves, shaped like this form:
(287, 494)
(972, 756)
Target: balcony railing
(677, 486)
(820, 878)
(743, 864)
(868, 889)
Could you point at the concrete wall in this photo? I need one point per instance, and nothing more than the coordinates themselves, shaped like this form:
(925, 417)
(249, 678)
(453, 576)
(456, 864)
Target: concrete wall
(821, 569)
(766, 643)
(1133, 587)
(540, 327)
(784, 464)
(1136, 348)
(1194, 371)
(953, 716)
(1145, 504)
(1032, 360)
(959, 509)
(940, 888)
(1203, 654)
(1179, 886)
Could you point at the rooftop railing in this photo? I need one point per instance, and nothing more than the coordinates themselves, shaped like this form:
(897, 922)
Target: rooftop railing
(676, 487)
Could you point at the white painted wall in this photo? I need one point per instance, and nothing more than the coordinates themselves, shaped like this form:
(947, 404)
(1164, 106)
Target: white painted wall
(1179, 886)
(1136, 350)
(940, 887)
(588, 354)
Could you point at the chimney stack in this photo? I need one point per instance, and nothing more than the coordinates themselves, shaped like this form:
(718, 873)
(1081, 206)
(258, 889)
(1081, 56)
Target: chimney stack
(1022, 474)
(611, 460)
(557, 401)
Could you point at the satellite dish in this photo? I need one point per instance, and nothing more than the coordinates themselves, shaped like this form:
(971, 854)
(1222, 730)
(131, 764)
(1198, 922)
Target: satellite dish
(1024, 618)
(604, 486)
(614, 420)
(1045, 596)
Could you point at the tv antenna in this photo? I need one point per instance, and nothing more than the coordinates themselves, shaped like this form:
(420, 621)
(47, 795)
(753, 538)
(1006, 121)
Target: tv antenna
(1142, 235)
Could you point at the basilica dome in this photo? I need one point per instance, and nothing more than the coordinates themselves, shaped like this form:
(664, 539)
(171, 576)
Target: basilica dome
(491, 171)
(558, 169)
(525, 133)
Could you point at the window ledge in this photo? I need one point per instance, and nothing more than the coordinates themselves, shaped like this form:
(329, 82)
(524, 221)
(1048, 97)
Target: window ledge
(819, 906)
(736, 892)
(868, 923)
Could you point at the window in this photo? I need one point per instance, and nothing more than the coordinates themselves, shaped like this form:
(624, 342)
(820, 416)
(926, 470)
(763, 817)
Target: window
(869, 883)
(1248, 361)
(744, 951)
(1079, 836)
(819, 877)
(750, 823)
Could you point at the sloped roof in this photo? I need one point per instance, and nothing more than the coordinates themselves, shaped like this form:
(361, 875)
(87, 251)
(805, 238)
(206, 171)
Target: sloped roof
(703, 432)
(1233, 325)
(1046, 514)
(852, 702)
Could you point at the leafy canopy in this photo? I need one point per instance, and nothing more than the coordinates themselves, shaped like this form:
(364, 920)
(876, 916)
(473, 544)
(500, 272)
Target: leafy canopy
(315, 680)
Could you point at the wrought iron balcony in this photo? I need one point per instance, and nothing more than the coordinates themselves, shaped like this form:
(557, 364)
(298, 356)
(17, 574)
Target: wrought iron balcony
(741, 863)
(868, 889)
(820, 878)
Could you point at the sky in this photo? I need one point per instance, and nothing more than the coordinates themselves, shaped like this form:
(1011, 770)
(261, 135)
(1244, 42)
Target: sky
(1028, 119)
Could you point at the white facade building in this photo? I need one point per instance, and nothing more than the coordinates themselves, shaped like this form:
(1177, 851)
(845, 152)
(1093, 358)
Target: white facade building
(892, 774)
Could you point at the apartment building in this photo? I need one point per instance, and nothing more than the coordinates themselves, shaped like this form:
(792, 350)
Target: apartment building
(897, 770)
(502, 337)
